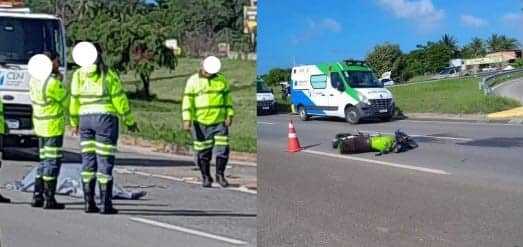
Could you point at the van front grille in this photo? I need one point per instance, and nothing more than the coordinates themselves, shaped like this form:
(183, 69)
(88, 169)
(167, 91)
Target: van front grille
(380, 104)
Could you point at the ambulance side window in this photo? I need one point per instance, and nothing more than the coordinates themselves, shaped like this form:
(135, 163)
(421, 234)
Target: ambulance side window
(336, 81)
(319, 81)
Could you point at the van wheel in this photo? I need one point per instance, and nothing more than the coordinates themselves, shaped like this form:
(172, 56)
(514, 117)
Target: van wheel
(352, 115)
(303, 113)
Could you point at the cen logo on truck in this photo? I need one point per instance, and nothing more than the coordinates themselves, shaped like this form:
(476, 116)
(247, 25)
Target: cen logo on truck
(12, 78)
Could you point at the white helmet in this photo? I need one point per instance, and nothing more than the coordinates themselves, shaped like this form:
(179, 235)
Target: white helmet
(40, 67)
(85, 54)
(212, 65)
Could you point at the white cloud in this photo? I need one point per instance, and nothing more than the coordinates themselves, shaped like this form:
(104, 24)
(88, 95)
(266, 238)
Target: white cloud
(422, 12)
(515, 18)
(330, 24)
(473, 21)
(317, 27)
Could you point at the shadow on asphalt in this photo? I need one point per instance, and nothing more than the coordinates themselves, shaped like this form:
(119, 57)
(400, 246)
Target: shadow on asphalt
(76, 206)
(311, 146)
(72, 157)
(192, 213)
(496, 142)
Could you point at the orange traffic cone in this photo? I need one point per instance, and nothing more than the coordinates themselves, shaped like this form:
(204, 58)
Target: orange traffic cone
(294, 144)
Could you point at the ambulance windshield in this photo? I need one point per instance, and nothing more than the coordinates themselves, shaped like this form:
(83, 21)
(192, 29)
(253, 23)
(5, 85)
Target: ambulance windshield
(21, 38)
(361, 79)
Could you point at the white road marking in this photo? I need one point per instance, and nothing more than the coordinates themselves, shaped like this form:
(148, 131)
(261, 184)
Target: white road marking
(176, 179)
(378, 162)
(189, 231)
(268, 123)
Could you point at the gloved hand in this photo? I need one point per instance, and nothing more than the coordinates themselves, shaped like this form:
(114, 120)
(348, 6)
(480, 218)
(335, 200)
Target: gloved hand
(133, 128)
(187, 126)
(228, 122)
(75, 131)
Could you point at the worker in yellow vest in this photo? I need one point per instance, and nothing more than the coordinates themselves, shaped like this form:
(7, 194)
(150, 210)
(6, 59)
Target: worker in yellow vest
(208, 112)
(97, 100)
(49, 101)
(2, 131)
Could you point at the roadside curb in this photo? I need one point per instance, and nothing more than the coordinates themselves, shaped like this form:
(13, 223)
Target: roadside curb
(461, 118)
(250, 188)
(515, 113)
(145, 150)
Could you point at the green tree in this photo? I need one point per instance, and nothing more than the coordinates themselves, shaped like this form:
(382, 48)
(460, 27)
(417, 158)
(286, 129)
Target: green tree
(451, 43)
(498, 42)
(130, 36)
(474, 49)
(276, 76)
(201, 25)
(383, 57)
(428, 58)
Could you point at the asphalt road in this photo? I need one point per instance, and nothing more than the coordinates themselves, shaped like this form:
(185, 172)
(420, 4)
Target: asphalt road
(512, 89)
(462, 187)
(172, 214)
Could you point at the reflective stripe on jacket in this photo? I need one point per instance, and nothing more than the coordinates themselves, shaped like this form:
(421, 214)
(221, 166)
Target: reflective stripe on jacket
(49, 101)
(207, 101)
(98, 93)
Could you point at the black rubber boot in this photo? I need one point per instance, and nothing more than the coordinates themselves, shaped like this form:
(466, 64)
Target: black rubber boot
(49, 196)
(205, 168)
(89, 193)
(220, 172)
(106, 198)
(38, 194)
(4, 200)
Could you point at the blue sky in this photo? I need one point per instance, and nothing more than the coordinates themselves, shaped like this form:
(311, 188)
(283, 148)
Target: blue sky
(315, 31)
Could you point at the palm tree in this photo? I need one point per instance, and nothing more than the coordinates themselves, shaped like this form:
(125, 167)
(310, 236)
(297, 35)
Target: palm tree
(498, 42)
(476, 48)
(451, 42)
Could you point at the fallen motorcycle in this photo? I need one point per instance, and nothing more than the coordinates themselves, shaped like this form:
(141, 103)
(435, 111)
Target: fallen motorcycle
(349, 143)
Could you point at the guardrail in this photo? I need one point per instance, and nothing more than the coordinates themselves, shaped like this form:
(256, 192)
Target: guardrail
(488, 81)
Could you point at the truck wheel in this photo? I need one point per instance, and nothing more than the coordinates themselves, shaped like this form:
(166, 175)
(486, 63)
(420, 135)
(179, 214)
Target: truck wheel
(352, 115)
(303, 113)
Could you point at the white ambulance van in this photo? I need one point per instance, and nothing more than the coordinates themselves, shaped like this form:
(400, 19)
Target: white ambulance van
(347, 89)
(22, 35)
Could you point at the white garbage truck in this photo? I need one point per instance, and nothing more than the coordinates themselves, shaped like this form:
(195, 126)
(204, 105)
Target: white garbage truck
(22, 35)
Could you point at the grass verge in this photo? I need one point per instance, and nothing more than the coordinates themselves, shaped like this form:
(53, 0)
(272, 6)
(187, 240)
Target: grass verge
(455, 96)
(160, 118)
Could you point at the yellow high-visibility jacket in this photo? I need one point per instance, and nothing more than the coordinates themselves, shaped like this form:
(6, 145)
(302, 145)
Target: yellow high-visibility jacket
(98, 93)
(207, 101)
(49, 100)
(2, 118)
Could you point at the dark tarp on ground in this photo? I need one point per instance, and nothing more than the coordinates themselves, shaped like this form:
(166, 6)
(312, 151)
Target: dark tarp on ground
(70, 183)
